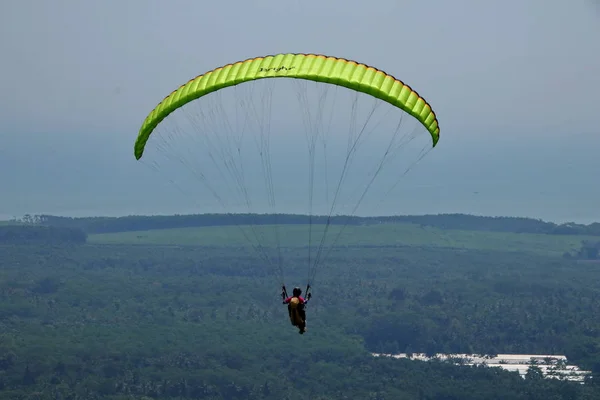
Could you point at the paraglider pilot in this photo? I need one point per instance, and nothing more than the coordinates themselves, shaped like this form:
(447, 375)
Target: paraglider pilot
(296, 304)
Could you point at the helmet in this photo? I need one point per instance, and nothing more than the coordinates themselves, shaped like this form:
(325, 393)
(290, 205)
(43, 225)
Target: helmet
(297, 291)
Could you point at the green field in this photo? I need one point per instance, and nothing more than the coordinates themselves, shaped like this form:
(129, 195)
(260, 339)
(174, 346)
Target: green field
(373, 235)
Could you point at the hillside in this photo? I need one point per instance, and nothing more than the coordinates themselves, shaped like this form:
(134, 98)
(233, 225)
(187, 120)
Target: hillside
(192, 313)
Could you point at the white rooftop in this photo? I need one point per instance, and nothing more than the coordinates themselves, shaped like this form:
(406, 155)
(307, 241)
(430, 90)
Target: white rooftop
(551, 365)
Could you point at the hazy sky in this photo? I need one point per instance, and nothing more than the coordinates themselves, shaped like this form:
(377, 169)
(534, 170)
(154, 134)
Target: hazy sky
(514, 83)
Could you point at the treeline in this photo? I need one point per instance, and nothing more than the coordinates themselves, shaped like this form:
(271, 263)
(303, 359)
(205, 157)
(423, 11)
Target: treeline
(499, 224)
(443, 221)
(47, 235)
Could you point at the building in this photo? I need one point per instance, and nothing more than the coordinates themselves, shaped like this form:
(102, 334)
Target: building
(551, 366)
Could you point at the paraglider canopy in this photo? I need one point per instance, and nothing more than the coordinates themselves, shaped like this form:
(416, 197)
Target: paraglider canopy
(319, 68)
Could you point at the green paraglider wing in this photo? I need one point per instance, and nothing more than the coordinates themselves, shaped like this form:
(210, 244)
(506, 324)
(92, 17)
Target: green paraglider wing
(319, 68)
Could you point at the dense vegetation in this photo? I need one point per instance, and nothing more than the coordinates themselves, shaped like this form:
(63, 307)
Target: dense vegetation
(43, 235)
(202, 320)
